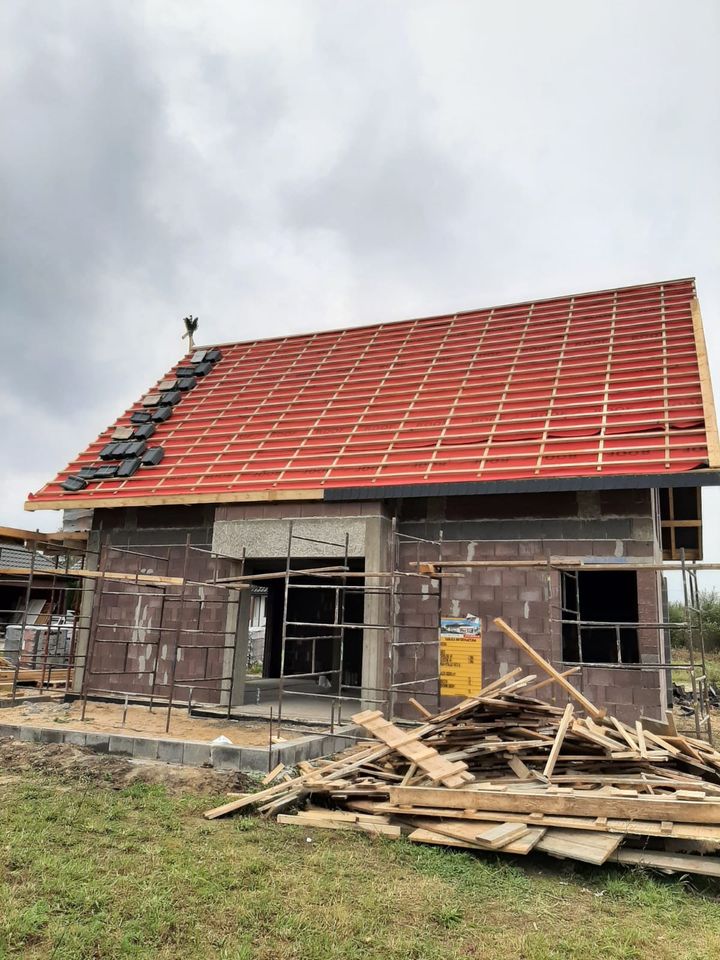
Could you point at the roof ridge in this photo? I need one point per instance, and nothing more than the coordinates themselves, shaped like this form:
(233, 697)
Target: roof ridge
(451, 313)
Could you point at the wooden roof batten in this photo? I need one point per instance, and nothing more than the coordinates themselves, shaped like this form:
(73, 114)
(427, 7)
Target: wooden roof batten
(619, 379)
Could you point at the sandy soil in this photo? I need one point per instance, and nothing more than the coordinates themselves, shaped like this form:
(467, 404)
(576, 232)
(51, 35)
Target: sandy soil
(107, 717)
(75, 764)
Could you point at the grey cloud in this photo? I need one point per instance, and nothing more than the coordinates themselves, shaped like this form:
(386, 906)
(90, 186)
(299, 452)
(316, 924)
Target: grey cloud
(294, 165)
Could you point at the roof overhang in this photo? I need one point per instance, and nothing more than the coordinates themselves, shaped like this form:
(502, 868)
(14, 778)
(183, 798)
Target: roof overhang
(695, 478)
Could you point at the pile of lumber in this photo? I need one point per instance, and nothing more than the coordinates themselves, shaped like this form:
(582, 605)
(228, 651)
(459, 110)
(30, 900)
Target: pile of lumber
(507, 772)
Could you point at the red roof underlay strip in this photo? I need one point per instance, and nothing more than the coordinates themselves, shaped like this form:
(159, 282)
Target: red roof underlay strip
(611, 383)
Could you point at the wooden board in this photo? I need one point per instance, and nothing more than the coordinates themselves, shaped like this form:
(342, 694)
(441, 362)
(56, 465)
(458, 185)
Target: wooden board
(677, 862)
(500, 834)
(408, 744)
(640, 828)
(579, 845)
(549, 669)
(467, 832)
(326, 823)
(573, 804)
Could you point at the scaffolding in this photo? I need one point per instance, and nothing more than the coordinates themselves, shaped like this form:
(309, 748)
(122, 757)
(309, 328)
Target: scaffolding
(162, 625)
(381, 628)
(563, 613)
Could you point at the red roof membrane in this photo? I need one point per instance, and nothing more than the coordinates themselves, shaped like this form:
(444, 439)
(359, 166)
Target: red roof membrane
(600, 383)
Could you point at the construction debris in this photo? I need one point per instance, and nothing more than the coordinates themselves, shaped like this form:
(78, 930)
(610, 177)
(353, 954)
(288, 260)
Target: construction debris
(509, 773)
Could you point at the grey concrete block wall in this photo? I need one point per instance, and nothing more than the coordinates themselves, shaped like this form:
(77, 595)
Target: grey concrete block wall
(594, 524)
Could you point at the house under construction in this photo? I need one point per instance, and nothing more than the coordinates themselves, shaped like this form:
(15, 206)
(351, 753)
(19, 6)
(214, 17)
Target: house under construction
(541, 462)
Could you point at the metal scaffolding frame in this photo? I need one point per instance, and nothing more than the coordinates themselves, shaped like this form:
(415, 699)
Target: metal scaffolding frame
(410, 651)
(389, 585)
(692, 621)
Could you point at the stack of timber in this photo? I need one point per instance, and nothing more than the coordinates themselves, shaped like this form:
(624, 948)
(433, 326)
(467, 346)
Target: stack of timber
(507, 772)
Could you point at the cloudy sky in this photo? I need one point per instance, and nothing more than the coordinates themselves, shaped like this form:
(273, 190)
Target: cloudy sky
(277, 167)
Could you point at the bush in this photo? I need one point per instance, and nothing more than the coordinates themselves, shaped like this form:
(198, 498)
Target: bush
(710, 610)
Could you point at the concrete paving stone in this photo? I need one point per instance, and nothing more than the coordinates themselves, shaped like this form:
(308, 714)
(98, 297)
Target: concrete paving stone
(121, 745)
(196, 754)
(145, 748)
(170, 751)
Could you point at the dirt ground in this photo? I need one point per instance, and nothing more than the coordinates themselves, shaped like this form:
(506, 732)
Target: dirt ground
(74, 765)
(107, 718)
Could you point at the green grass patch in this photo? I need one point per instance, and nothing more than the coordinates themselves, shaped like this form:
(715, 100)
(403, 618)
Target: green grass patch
(94, 873)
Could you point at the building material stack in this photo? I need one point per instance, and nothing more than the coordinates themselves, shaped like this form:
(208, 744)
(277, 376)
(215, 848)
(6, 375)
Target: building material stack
(510, 773)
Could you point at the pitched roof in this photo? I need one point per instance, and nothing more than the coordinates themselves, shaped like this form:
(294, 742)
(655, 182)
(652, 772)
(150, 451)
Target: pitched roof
(611, 383)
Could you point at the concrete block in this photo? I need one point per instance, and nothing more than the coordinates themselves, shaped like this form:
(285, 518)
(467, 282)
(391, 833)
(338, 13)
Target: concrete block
(9, 730)
(30, 734)
(196, 754)
(170, 751)
(252, 761)
(121, 745)
(145, 748)
(75, 737)
(99, 742)
(49, 735)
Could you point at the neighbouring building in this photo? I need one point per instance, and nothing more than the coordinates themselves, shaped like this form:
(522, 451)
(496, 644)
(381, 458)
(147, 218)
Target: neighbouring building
(578, 428)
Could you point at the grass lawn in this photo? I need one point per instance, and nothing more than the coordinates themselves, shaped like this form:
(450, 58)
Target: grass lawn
(87, 871)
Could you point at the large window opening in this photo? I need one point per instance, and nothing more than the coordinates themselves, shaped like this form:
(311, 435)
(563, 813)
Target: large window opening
(590, 599)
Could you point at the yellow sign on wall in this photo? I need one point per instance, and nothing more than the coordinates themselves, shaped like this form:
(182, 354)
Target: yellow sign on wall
(460, 656)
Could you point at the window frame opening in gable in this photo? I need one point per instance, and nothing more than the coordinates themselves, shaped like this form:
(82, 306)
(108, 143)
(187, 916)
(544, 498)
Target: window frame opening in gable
(680, 522)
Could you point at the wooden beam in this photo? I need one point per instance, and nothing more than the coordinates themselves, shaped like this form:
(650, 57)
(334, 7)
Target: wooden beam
(706, 390)
(92, 575)
(541, 662)
(257, 496)
(639, 828)
(559, 737)
(544, 683)
(677, 862)
(14, 533)
(570, 804)
(279, 575)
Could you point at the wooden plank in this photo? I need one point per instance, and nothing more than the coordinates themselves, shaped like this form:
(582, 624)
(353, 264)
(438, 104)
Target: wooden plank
(640, 734)
(500, 834)
(559, 737)
(575, 804)
(676, 862)
(706, 390)
(324, 823)
(579, 845)
(545, 683)
(436, 766)
(351, 816)
(466, 832)
(90, 575)
(520, 769)
(60, 536)
(250, 496)
(541, 662)
(640, 828)
(274, 773)
(420, 708)
(438, 839)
